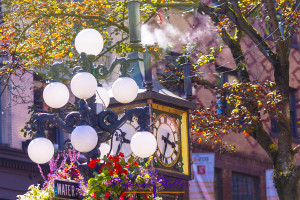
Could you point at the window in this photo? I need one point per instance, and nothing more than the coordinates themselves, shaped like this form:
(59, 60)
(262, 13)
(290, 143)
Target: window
(245, 187)
(218, 184)
(274, 129)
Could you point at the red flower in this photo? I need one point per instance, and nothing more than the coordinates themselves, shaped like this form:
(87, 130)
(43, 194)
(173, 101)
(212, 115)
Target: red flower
(100, 171)
(116, 171)
(123, 194)
(136, 163)
(111, 173)
(111, 157)
(107, 194)
(93, 195)
(127, 166)
(92, 165)
(121, 155)
(119, 167)
(121, 198)
(145, 196)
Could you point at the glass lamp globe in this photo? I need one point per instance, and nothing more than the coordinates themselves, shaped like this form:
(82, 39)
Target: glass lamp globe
(84, 138)
(56, 95)
(102, 97)
(125, 89)
(40, 150)
(143, 144)
(104, 150)
(83, 85)
(89, 41)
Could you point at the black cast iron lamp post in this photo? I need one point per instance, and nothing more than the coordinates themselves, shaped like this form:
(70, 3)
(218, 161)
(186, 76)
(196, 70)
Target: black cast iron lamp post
(85, 131)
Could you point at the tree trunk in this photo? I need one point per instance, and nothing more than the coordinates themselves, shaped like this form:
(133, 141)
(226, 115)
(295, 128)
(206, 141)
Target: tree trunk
(287, 186)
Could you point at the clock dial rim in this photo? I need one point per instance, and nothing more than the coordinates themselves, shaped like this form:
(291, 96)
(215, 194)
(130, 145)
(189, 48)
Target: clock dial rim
(177, 148)
(134, 125)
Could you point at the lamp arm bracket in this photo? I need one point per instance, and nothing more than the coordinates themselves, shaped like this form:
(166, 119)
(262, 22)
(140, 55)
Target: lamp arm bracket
(104, 72)
(108, 119)
(42, 119)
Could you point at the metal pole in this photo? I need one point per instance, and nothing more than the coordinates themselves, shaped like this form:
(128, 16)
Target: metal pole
(136, 59)
(148, 71)
(134, 22)
(187, 80)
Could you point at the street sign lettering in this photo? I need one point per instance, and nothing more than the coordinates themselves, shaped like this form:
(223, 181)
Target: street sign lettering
(66, 189)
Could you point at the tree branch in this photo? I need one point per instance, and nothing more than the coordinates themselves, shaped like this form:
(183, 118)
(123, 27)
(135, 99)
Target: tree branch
(204, 82)
(296, 148)
(174, 4)
(290, 28)
(120, 26)
(297, 172)
(239, 19)
(252, 10)
(280, 45)
(110, 48)
(259, 134)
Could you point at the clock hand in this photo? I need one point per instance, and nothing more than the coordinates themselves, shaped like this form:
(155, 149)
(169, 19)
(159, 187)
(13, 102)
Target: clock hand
(171, 143)
(166, 143)
(122, 140)
(126, 140)
(166, 139)
(119, 148)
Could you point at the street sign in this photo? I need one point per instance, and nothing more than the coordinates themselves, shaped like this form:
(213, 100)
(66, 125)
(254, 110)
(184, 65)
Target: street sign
(66, 189)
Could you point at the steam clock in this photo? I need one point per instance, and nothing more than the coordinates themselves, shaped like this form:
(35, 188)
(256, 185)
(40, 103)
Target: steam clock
(169, 118)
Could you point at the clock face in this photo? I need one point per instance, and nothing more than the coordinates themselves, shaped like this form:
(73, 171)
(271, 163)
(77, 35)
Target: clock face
(166, 132)
(122, 138)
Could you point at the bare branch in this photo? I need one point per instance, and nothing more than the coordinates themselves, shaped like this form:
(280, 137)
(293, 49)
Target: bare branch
(280, 45)
(235, 14)
(252, 10)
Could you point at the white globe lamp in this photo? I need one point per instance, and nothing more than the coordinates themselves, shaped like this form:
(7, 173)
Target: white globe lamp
(143, 144)
(40, 150)
(89, 41)
(56, 95)
(104, 150)
(84, 138)
(125, 89)
(83, 85)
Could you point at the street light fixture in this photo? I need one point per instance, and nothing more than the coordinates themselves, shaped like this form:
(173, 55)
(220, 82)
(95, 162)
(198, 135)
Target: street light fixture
(89, 126)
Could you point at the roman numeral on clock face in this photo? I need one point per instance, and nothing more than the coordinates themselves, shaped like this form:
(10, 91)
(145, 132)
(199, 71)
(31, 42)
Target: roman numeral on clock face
(161, 156)
(176, 152)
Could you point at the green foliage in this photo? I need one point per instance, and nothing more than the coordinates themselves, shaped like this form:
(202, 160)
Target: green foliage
(37, 193)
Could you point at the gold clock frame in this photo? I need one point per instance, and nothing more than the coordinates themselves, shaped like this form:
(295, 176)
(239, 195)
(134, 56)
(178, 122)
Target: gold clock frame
(183, 133)
(178, 139)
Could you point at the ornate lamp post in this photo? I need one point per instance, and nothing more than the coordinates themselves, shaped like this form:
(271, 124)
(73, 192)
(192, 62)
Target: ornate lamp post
(88, 127)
